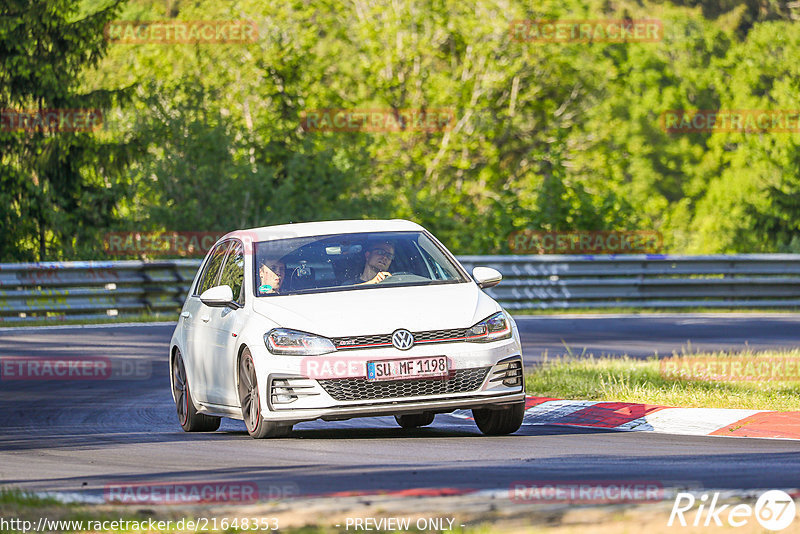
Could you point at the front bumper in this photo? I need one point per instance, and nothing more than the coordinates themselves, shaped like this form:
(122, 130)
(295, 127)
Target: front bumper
(476, 380)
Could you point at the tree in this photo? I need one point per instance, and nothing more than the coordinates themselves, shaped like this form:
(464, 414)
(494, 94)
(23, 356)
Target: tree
(60, 182)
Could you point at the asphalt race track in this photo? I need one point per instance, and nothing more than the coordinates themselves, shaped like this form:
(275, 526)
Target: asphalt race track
(82, 436)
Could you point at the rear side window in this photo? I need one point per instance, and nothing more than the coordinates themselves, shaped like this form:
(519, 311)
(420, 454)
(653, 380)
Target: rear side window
(211, 271)
(233, 272)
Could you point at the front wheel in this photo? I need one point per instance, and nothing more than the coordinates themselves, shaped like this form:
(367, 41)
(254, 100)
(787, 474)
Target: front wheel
(506, 420)
(250, 400)
(190, 420)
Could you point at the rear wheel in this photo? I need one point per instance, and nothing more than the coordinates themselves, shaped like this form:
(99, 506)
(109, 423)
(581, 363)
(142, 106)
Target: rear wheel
(500, 421)
(250, 400)
(414, 420)
(190, 420)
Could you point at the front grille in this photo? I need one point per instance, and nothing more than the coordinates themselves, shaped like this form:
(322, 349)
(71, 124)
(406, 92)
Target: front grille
(361, 342)
(454, 334)
(381, 340)
(355, 389)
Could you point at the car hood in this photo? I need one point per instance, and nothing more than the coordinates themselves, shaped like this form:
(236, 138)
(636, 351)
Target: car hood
(379, 310)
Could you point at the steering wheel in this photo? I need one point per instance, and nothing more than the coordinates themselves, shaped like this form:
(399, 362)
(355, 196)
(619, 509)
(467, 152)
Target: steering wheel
(403, 276)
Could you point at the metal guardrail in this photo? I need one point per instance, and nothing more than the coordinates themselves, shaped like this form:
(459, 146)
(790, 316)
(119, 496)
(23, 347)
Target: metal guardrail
(644, 281)
(92, 289)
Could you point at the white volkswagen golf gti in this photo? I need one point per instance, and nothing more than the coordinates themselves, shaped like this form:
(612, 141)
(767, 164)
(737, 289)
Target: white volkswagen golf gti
(342, 319)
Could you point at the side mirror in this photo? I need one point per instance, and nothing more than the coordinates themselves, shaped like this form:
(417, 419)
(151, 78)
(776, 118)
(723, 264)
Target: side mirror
(486, 276)
(217, 297)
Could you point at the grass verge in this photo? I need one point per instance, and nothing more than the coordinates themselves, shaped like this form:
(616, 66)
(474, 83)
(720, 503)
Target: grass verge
(644, 381)
(22, 499)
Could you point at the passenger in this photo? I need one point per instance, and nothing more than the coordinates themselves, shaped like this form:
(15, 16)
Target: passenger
(271, 274)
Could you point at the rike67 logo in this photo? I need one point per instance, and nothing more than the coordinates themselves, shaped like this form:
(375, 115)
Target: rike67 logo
(774, 510)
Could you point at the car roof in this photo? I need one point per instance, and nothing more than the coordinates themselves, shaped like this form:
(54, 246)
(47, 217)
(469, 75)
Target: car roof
(308, 229)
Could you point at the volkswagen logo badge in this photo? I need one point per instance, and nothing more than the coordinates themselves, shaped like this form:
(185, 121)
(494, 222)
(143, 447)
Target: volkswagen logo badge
(402, 339)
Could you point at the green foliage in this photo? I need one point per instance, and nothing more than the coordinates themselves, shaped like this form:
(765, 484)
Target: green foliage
(550, 136)
(60, 187)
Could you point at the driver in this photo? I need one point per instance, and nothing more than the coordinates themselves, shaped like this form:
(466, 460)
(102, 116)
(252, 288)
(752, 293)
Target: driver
(379, 256)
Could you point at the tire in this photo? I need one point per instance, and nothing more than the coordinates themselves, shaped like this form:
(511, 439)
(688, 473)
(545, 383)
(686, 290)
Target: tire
(250, 401)
(414, 420)
(190, 420)
(506, 420)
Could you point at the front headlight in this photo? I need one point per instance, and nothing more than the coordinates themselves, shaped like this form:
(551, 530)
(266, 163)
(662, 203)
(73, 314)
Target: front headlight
(293, 342)
(491, 329)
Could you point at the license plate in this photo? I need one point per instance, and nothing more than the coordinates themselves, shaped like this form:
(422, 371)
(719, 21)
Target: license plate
(434, 366)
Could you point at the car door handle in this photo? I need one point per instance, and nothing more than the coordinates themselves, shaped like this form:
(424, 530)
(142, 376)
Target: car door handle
(205, 318)
(186, 315)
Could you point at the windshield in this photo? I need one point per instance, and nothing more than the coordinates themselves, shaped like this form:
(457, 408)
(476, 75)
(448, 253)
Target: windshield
(351, 261)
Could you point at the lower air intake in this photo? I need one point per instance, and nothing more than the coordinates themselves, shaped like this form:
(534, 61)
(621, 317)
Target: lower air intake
(356, 389)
